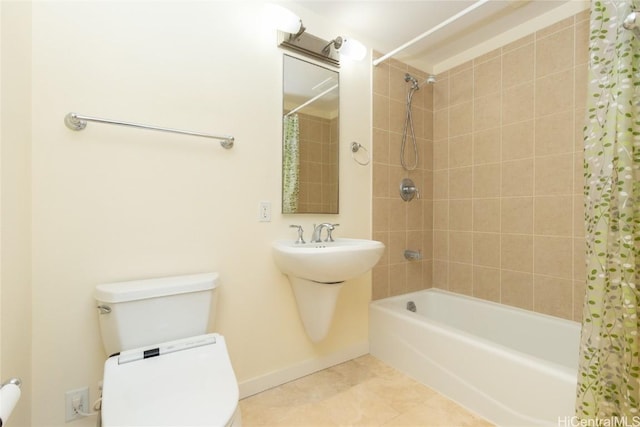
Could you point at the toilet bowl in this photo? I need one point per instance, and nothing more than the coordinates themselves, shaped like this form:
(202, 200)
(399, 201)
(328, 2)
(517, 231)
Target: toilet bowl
(186, 380)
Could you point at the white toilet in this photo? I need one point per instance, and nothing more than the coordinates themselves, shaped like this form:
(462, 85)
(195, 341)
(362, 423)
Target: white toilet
(163, 369)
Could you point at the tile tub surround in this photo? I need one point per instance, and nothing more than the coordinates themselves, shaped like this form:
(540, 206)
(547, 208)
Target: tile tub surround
(363, 391)
(506, 203)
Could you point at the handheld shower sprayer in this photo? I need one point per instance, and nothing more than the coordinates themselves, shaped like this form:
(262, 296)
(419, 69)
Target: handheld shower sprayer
(414, 82)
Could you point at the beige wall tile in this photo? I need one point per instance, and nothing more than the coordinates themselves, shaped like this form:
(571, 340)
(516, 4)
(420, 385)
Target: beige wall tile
(517, 178)
(440, 154)
(518, 66)
(460, 246)
(397, 245)
(518, 103)
(441, 184)
(380, 112)
(486, 283)
(440, 274)
(554, 134)
(486, 249)
(487, 111)
(461, 151)
(487, 76)
(516, 289)
(555, 52)
(553, 256)
(554, 215)
(486, 180)
(582, 42)
(460, 215)
(441, 245)
(461, 278)
(580, 259)
(517, 215)
(461, 119)
(440, 124)
(398, 279)
(441, 93)
(554, 93)
(380, 214)
(486, 146)
(553, 296)
(554, 175)
(381, 145)
(440, 214)
(486, 215)
(381, 79)
(461, 86)
(517, 140)
(380, 180)
(380, 282)
(397, 214)
(517, 252)
(460, 183)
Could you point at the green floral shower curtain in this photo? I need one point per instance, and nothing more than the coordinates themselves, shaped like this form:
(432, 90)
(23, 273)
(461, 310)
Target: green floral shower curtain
(608, 376)
(291, 164)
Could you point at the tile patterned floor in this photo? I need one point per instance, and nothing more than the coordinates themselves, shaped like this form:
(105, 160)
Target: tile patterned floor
(360, 392)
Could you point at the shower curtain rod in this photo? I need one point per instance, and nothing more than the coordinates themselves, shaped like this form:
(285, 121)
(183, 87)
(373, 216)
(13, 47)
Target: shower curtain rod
(431, 31)
(312, 100)
(76, 121)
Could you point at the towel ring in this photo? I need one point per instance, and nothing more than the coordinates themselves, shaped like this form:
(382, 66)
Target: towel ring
(355, 147)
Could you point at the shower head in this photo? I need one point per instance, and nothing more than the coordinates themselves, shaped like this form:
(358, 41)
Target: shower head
(414, 82)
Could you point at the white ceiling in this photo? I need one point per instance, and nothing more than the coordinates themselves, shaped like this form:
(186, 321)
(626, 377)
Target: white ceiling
(387, 24)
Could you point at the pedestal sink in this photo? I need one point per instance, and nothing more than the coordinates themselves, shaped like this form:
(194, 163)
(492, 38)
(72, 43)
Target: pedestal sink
(317, 272)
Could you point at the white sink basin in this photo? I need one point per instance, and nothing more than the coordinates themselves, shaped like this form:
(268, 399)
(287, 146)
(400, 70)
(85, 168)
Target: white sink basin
(327, 262)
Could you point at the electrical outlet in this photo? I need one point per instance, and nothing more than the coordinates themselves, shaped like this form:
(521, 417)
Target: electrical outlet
(80, 397)
(264, 212)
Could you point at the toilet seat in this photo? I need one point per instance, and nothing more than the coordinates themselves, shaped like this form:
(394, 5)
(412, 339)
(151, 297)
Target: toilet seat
(187, 382)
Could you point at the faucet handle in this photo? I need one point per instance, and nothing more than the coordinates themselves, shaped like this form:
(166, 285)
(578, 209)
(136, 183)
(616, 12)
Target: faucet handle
(300, 239)
(329, 230)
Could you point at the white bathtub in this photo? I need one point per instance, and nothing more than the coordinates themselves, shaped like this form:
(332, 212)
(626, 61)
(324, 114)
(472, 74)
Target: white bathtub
(511, 366)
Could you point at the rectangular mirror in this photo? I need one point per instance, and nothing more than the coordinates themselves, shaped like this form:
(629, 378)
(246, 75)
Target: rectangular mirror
(310, 135)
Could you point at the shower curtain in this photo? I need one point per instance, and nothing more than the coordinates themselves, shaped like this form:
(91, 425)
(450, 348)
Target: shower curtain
(291, 164)
(608, 375)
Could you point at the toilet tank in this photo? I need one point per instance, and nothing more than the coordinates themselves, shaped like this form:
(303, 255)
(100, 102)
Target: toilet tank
(140, 313)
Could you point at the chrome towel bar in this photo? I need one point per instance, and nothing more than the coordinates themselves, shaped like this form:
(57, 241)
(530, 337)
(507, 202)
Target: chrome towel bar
(77, 122)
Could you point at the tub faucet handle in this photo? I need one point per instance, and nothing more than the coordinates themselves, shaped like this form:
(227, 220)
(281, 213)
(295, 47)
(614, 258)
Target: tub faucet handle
(300, 239)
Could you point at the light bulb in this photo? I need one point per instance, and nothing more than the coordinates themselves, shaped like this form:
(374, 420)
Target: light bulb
(353, 49)
(282, 18)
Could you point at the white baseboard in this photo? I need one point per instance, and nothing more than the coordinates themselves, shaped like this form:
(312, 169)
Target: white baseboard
(299, 370)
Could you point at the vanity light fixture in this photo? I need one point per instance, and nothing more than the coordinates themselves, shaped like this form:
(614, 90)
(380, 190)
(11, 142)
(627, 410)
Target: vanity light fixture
(292, 36)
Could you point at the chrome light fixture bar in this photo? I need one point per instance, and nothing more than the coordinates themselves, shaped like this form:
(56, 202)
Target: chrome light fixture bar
(292, 35)
(311, 46)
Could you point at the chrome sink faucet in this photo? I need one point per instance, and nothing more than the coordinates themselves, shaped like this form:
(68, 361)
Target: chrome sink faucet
(316, 237)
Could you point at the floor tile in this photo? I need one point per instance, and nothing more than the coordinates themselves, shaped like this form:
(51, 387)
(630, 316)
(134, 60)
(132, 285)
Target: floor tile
(360, 392)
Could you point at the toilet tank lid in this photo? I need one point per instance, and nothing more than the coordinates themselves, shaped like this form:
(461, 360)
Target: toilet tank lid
(151, 288)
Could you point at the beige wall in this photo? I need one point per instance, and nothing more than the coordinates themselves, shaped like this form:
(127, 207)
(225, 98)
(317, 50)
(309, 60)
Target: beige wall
(15, 202)
(401, 225)
(113, 203)
(507, 209)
